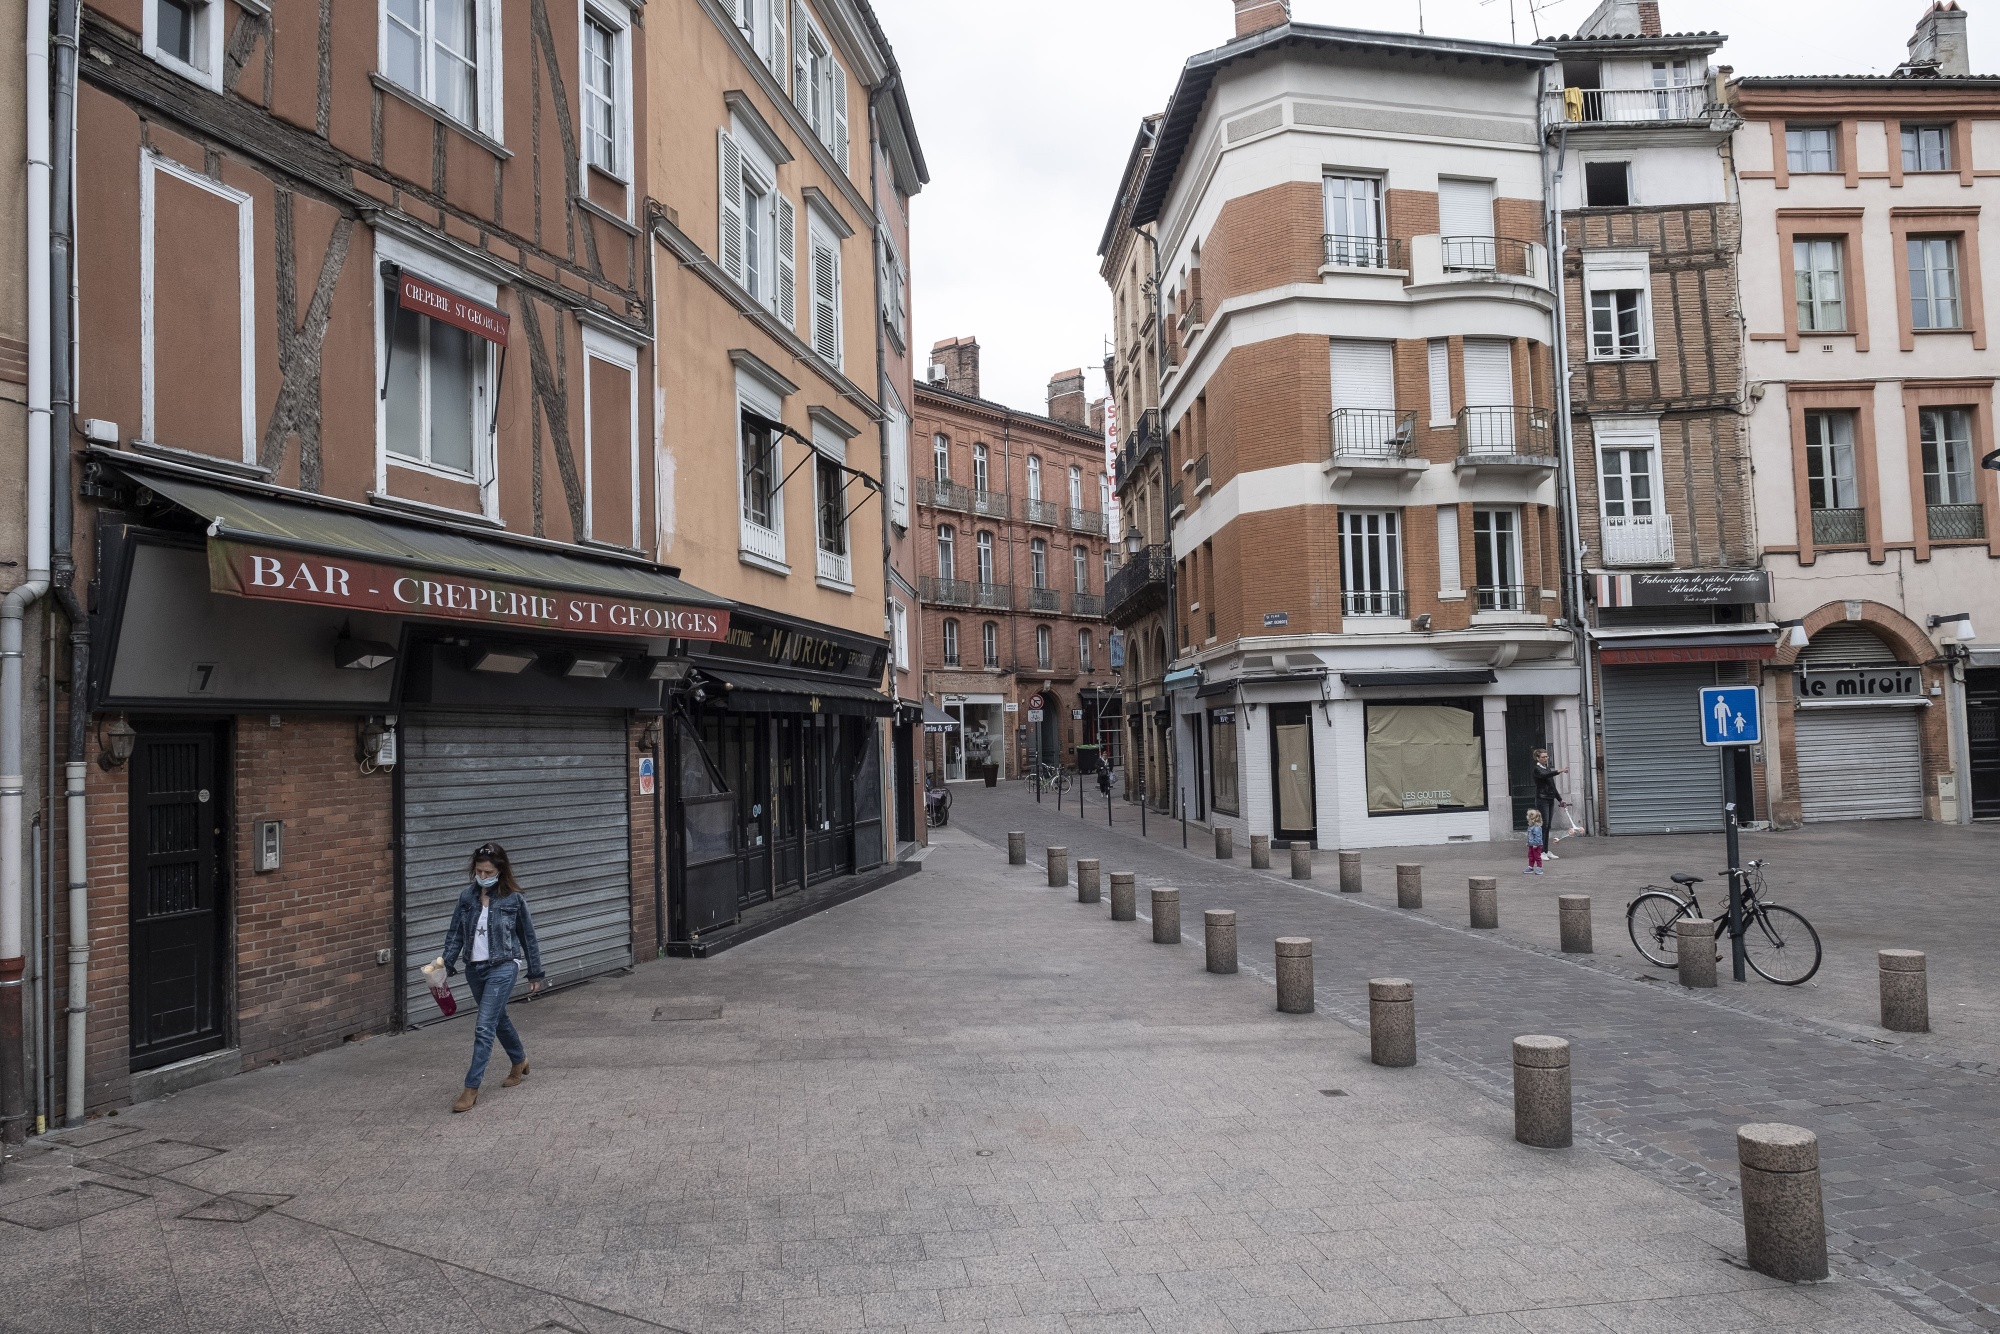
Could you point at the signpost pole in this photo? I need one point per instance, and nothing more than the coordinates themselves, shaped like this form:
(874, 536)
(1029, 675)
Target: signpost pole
(1735, 862)
(1184, 820)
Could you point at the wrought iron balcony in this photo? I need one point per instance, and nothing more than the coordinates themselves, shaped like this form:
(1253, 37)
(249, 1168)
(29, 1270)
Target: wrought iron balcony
(1839, 528)
(1044, 599)
(992, 504)
(1201, 473)
(1362, 602)
(1045, 512)
(945, 592)
(1506, 436)
(942, 494)
(1138, 586)
(1087, 521)
(1956, 523)
(1637, 540)
(1144, 439)
(994, 597)
(1363, 252)
(1632, 106)
(1488, 254)
(1176, 501)
(1501, 597)
(1371, 433)
(1088, 605)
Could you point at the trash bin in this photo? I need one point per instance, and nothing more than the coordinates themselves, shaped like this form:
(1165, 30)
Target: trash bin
(991, 773)
(1086, 758)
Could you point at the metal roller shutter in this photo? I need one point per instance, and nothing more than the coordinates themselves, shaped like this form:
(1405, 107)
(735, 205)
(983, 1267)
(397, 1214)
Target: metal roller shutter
(549, 787)
(1364, 374)
(1659, 778)
(1860, 764)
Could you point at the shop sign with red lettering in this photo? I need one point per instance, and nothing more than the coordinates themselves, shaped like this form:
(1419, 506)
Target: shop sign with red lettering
(332, 581)
(414, 293)
(1626, 657)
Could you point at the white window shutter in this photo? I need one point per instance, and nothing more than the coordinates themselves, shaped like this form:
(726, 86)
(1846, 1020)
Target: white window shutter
(746, 16)
(837, 132)
(787, 295)
(780, 50)
(729, 247)
(826, 301)
(801, 60)
(1440, 378)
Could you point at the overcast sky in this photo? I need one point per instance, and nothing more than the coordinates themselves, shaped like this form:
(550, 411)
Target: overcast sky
(1027, 108)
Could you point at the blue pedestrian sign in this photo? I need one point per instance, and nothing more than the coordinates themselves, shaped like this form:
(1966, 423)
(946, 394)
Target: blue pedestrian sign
(1730, 716)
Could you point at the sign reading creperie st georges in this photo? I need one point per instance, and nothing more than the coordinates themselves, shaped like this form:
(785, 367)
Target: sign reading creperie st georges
(413, 293)
(291, 576)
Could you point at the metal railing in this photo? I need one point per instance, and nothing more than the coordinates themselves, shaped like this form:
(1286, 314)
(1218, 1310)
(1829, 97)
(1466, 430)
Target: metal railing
(1176, 501)
(1488, 254)
(1086, 604)
(1956, 523)
(1505, 432)
(1088, 521)
(1195, 314)
(945, 592)
(1622, 106)
(1501, 597)
(1140, 575)
(1371, 433)
(1839, 528)
(1361, 602)
(1362, 252)
(997, 597)
(1144, 439)
(1044, 599)
(1638, 539)
(992, 504)
(1044, 512)
(942, 495)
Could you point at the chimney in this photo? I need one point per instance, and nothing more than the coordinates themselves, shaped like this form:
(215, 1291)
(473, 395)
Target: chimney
(1940, 40)
(955, 364)
(1097, 415)
(1066, 398)
(1257, 15)
(1649, 18)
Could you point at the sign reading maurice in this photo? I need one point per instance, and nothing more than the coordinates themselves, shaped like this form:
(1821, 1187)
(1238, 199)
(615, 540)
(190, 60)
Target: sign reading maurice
(332, 581)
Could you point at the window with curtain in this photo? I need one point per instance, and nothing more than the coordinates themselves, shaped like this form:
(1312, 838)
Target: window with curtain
(1354, 222)
(1496, 553)
(1034, 478)
(1820, 284)
(989, 644)
(1934, 282)
(1371, 563)
(1075, 488)
(984, 550)
(1083, 651)
(1812, 148)
(1830, 461)
(1627, 482)
(950, 637)
(1044, 652)
(941, 458)
(1081, 560)
(979, 469)
(1927, 148)
(947, 540)
(1948, 461)
(1038, 563)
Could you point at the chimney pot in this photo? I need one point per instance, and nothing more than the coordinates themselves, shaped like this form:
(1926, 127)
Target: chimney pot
(960, 359)
(1257, 15)
(1940, 40)
(1067, 402)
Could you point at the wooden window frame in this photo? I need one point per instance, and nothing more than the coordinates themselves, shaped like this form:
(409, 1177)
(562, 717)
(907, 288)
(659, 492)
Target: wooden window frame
(1844, 224)
(1857, 397)
(1781, 161)
(1976, 397)
(1961, 148)
(625, 356)
(1963, 224)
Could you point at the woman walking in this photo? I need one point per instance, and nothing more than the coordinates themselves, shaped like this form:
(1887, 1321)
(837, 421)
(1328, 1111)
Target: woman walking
(491, 930)
(1547, 795)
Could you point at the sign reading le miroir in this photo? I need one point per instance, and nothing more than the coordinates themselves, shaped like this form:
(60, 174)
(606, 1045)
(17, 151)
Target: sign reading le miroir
(331, 581)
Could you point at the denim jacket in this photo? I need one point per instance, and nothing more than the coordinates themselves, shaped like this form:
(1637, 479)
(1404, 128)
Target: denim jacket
(510, 932)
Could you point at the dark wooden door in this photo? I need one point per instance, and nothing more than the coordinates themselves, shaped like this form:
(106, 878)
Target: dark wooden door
(1527, 732)
(1982, 726)
(179, 889)
(788, 804)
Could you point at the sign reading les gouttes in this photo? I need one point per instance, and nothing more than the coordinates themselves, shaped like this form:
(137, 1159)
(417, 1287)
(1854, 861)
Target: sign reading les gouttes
(413, 293)
(327, 581)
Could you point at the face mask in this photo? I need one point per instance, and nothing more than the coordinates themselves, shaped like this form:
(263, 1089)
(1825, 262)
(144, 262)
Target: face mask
(486, 881)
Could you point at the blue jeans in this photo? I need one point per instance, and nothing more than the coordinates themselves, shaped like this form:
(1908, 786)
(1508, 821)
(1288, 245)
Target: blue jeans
(492, 984)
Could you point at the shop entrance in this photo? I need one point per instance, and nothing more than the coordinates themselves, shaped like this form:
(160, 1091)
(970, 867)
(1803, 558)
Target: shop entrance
(1527, 732)
(1048, 736)
(179, 884)
(1982, 725)
(1294, 806)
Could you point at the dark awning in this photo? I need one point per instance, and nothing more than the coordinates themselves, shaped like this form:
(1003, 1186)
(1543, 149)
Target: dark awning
(757, 692)
(1482, 676)
(291, 551)
(1213, 688)
(937, 720)
(1746, 645)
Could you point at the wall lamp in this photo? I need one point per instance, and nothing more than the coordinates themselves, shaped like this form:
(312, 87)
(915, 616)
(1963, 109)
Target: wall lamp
(592, 666)
(115, 742)
(506, 661)
(1960, 623)
(363, 655)
(1795, 633)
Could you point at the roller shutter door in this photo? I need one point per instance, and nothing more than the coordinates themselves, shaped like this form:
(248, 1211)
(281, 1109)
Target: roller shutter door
(550, 788)
(1658, 777)
(1364, 374)
(1860, 764)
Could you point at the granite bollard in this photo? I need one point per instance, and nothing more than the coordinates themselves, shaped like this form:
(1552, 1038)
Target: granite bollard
(1058, 866)
(1573, 922)
(1906, 998)
(1350, 873)
(1541, 1092)
(1409, 885)
(1218, 927)
(1260, 852)
(1087, 880)
(1124, 896)
(1694, 951)
(1784, 1218)
(1166, 917)
(1302, 861)
(1225, 844)
(1017, 847)
(1484, 893)
(1295, 974)
(1392, 1021)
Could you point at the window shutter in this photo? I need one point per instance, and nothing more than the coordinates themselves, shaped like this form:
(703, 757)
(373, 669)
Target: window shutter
(787, 293)
(837, 132)
(780, 49)
(801, 60)
(1364, 373)
(746, 15)
(1440, 377)
(729, 246)
(825, 301)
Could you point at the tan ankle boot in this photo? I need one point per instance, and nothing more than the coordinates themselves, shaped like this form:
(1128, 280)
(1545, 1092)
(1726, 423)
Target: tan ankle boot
(515, 1076)
(465, 1100)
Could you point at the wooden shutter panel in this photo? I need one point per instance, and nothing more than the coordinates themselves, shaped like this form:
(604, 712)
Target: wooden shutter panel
(826, 301)
(787, 295)
(780, 51)
(801, 60)
(837, 135)
(730, 243)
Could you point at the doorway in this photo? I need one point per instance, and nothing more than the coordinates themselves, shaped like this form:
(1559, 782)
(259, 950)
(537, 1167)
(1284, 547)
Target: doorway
(1982, 726)
(1048, 736)
(903, 739)
(1294, 804)
(179, 892)
(1527, 732)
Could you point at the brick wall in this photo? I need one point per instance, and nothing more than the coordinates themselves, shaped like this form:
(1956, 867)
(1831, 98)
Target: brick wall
(1263, 240)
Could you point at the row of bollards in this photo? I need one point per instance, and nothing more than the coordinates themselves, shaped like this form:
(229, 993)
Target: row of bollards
(1784, 1222)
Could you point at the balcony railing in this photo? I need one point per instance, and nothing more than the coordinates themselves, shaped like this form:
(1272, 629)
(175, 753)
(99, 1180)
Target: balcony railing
(945, 592)
(1501, 433)
(1144, 439)
(1839, 528)
(1195, 314)
(1501, 597)
(1624, 106)
(1371, 433)
(1045, 512)
(1363, 252)
(991, 504)
(1373, 603)
(1201, 473)
(941, 495)
(1087, 521)
(1137, 585)
(1176, 501)
(1488, 254)
(1086, 604)
(996, 597)
(1044, 599)
(835, 567)
(1638, 539)
(1957, 523)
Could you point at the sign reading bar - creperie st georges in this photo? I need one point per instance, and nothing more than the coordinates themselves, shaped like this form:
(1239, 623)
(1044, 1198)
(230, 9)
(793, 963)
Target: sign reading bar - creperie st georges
(332, 581)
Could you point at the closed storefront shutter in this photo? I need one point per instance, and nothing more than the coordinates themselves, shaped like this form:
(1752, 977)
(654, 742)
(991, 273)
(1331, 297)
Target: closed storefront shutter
(1860, 764)
(1659, 778)
(549, 787)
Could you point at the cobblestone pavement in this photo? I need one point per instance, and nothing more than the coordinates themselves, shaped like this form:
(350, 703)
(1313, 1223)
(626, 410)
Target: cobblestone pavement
(962, 1103)
(1907, 1131)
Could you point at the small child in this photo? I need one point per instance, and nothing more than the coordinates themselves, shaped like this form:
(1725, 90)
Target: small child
(1537, 839)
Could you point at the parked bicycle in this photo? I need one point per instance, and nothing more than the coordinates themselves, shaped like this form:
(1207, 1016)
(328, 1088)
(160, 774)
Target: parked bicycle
(1778, 942)
(937, 807)
(1057, 777)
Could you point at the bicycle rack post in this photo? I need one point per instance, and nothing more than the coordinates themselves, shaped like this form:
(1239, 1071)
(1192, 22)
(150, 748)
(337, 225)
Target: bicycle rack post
(1736, 956)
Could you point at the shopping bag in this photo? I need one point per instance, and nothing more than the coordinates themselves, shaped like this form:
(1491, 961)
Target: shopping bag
(440, 985)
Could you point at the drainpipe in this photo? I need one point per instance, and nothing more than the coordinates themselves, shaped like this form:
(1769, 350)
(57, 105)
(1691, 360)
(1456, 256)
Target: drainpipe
(62, 99)
(1572, 548)
(14, 607)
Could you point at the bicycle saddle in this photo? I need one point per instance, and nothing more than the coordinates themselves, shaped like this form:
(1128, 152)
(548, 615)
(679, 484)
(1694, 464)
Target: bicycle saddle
(1684, 879)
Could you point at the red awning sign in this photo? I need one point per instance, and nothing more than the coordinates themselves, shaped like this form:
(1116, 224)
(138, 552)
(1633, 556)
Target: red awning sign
(1626, 657)
(413, 293)
(331, 581)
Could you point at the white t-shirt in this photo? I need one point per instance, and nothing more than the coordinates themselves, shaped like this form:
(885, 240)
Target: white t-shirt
(480, 953)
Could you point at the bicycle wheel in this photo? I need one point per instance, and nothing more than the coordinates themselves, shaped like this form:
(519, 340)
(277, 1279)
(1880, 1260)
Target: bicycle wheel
(1650, 922)
(1781, 945)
